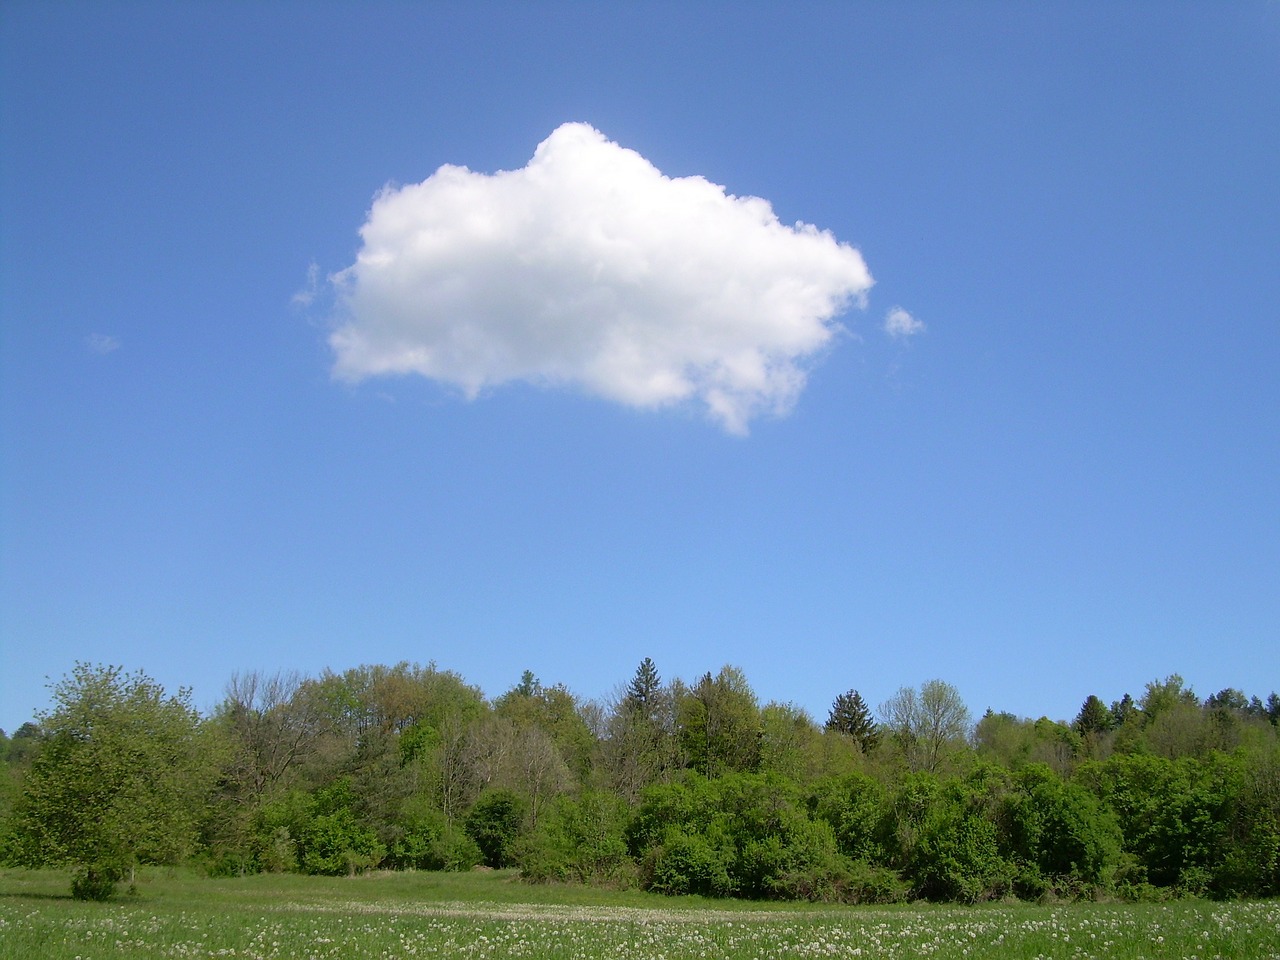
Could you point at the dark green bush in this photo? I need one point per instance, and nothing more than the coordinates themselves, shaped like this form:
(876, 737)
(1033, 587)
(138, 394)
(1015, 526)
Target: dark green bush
(431, 842)
(1061, 837)
(495, 823)
(96, 881)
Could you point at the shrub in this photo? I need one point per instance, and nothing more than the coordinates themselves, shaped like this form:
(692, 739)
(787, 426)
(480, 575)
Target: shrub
(581, 840)
(280, 853)
(495, 823)
(95, 881)
(854, 805)
(337, 843)
(946, 837)
(865, 882)
(1058, 833)
(431, 842)
(688, 863)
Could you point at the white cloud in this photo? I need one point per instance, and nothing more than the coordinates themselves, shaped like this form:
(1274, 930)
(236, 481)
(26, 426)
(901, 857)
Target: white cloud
(101, 343)
(590, 268)
(899, 323)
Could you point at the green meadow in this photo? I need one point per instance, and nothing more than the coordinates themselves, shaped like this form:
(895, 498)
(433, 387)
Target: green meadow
(181, 914)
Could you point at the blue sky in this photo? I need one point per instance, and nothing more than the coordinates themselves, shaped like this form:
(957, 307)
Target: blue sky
(1064, 482)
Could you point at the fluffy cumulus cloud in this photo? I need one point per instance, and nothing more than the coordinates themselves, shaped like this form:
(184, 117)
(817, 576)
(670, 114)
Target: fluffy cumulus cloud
(900, 324)
(589, 268)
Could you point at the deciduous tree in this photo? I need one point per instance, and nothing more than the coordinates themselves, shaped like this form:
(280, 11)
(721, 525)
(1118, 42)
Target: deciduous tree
(926, 723)
(120, 779)
(719, 722)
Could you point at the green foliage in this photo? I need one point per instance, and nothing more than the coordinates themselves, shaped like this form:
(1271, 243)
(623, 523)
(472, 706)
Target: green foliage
(1251, 863)
(1174, 814)
(948, 847)
(746, 834)
(97, 880)
(429, 841)
(719, 723)
(639, 746)
(866, 882)
(1094, 719)
(318, 833)
(927, 725)
(1060, 836)
(855, 807)
(789, 741)
(645, 686)
(337, 844)
(24, 745)
(1163, 695)
(691, 863)
(120, 779)
(1125, 712)
(495, 823)
(554, 712)
(1014, 742)
(851, 716)
(677, 789)
(583, 840)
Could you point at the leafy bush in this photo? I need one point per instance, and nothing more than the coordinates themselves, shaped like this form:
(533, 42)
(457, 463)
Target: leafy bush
(317, 832)
(1060, 836)
(865, 882)
(1174, 814)
(336, 843)
(854, 806)
(96, 880)
(749, 835)
(495, 824)
(1251, 865)
(581, 840)
(687, 863)
(431, 842)
(280, 852)
(946, 837)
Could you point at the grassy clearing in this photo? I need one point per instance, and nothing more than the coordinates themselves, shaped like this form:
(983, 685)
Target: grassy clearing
(180, 915)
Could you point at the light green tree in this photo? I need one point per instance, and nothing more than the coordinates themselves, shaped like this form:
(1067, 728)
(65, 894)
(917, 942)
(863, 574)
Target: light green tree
(926, 724)
(1162, 696)
(790, 742)
(120, 779)
(719, 723)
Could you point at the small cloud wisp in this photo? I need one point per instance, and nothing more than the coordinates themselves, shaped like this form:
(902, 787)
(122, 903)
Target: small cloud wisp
(901, 325)
(101, 343)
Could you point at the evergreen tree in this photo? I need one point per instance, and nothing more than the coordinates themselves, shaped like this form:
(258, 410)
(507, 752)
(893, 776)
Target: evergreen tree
(1124, 710)
(529, 685)
(850, 715)
(640, 747)
(1093, 719)
(1228, 699)
(644, 686)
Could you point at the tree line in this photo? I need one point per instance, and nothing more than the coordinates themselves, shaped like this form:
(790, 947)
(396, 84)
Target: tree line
(675, 787)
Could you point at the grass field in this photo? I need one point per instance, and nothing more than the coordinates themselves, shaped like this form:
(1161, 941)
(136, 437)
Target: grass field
(176, 914)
